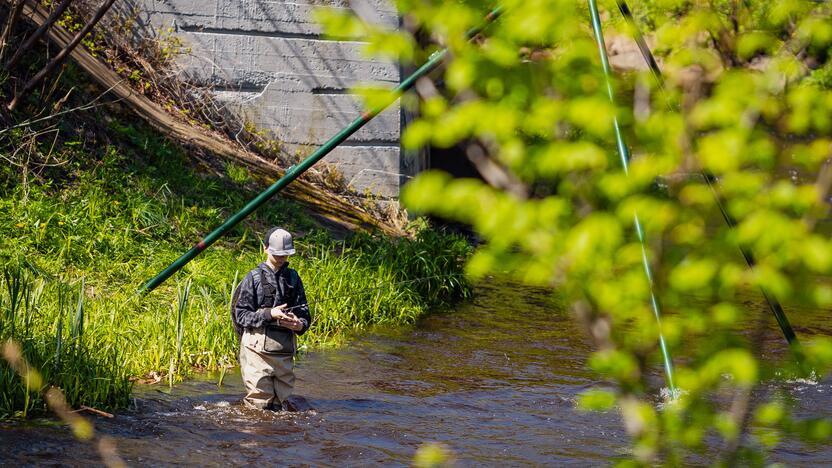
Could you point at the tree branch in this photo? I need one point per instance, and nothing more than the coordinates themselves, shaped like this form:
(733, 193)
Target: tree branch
(14, 15)
(494, 173)
(30, 42)
(62, 55)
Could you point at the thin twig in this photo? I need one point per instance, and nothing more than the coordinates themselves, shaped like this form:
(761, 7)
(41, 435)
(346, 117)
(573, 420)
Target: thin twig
(742, 405)
(91, 105)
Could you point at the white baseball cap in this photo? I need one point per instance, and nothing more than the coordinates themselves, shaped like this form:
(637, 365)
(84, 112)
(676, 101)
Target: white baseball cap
(278, 241)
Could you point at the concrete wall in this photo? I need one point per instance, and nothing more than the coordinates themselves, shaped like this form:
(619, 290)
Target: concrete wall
(268, 61)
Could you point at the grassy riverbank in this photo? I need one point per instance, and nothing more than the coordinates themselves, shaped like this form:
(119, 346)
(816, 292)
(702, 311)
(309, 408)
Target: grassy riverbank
(79, 238)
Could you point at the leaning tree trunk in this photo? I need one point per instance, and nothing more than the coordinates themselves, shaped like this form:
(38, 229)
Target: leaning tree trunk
(14, 15)
(62, 55)
(30, 42)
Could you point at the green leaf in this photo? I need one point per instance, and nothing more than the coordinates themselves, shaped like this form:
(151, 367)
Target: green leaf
(615, 364)
(596, 400)
(770, 414)
(738, 363)
(417, 134)
(693, 275)
(753, 42)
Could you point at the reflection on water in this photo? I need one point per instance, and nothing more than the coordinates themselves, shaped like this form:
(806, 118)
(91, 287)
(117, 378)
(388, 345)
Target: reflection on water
(496, 381)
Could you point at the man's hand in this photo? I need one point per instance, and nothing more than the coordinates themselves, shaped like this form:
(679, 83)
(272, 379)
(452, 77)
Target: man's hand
(277, 312)
(296, 324)
(285, 319)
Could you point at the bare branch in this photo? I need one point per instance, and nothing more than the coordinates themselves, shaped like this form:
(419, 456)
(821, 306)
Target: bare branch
(62, 55)
(14, 15)
(30, 42)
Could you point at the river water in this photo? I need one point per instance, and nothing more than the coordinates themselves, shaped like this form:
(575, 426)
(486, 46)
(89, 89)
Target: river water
(495, 381)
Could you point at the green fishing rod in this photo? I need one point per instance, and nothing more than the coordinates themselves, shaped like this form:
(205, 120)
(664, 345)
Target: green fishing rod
(379, 286)
(771, 299)
(624, 154)
(295, 171)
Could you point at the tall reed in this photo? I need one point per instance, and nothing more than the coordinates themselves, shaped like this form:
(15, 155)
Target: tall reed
(87, 372)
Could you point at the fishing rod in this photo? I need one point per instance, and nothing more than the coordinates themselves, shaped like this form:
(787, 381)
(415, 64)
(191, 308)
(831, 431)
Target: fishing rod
(365, 290)
(773, 304)
(295, 171)
(624, 154)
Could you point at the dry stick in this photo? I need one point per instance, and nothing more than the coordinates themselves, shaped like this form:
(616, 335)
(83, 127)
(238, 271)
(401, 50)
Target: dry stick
(62, 55)
(7, 31)
(95, 411)
(30, 42)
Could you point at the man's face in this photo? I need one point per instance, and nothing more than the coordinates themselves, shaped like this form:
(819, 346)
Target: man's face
(280, 259)
(276, 259)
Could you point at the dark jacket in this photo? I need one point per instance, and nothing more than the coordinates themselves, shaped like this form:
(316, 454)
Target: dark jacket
(255, 300)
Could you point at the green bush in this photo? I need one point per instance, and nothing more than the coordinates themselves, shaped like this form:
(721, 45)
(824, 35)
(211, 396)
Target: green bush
(745, 99)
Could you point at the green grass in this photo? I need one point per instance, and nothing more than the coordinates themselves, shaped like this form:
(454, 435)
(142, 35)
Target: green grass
(89, 370)
(79, 239)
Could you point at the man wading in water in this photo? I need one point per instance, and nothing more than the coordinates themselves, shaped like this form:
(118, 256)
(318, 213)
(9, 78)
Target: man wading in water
(269, 309)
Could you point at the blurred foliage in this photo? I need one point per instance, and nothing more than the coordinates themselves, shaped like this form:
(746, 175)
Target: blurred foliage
(746, 98)
(432, 455)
